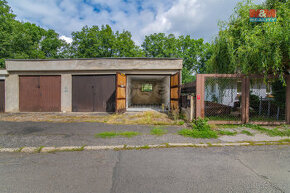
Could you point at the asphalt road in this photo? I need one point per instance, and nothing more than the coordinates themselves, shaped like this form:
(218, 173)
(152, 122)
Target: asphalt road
(215, 169)
(26, 134)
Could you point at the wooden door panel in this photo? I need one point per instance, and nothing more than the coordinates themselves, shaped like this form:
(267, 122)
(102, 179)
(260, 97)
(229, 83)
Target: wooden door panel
(2, 96)
(121, 81)
(50, 91)
(29, 94)
(174, 91)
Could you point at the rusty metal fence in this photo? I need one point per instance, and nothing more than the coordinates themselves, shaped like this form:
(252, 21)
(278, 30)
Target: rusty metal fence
(267, 99)
(222, 100)
(238, 99)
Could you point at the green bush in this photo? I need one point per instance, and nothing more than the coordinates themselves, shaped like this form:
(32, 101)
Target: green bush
(200, 124)
(200, 129)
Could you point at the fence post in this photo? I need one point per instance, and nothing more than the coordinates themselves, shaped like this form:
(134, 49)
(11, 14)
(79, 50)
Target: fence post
(245, 99)
(199, 112)
(288, 99)
(191, 108)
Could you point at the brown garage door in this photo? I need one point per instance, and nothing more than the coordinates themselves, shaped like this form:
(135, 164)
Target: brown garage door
(39, 93)
(93, 93)
(2, 95)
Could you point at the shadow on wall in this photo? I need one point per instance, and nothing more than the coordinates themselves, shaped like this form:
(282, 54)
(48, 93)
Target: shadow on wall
(111, 103)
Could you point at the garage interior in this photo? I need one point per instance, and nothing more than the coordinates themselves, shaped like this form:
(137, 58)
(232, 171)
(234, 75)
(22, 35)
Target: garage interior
(148, 92)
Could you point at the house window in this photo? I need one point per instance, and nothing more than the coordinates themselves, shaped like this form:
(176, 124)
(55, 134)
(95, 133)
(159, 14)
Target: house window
(146, 88)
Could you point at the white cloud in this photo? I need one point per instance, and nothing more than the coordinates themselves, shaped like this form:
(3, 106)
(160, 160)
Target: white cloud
(65, 38)
(197, 18)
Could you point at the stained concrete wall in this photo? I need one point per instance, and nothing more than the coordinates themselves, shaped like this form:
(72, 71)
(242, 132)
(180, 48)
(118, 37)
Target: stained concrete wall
(95, 64)
(66, 92)
(12, 93)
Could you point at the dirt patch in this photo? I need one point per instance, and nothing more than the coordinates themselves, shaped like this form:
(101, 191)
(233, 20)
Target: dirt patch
(142, 118)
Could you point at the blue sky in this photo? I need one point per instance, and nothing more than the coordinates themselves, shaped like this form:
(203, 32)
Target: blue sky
(197, 18)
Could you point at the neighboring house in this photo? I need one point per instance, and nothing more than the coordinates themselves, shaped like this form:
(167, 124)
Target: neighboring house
(90, 85)
(229, 93)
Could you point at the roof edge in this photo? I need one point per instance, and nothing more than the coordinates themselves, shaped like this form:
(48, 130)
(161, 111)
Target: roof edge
(106, 58)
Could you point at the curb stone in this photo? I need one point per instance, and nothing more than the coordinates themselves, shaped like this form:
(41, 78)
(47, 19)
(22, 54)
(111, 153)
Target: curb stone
(127, 147)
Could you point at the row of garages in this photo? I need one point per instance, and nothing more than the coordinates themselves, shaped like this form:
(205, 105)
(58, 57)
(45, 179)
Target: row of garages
(90, 93)
(91, 85)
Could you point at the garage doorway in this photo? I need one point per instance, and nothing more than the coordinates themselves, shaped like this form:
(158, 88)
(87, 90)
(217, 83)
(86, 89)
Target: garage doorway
(148, 92)
(93, 93)
(39, 93)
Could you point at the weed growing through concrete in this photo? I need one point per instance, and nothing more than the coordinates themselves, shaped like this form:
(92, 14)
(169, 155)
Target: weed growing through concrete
(270, 132)
(284, 140)
(158, 130)
(116, 134)
(20, 149)
(143, 147)
(230, 133)
(247, 133)
(200, 129)
(228, 126)
(198, 134)
(38, 150)
(180, 122)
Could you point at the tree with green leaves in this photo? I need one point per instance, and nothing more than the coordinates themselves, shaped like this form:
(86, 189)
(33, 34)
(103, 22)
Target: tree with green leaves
(20, 40)
(92, 42)
(185, 47)
(252, 47)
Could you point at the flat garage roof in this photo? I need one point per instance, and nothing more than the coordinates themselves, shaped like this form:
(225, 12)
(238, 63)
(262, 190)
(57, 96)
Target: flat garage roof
(94, 64)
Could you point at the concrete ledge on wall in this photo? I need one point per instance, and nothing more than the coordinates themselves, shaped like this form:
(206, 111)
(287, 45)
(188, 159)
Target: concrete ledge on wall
(3, 74)
(95, 64)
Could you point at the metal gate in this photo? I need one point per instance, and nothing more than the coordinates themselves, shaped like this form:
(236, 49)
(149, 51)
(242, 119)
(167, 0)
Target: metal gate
(93, 93)
(40, 93)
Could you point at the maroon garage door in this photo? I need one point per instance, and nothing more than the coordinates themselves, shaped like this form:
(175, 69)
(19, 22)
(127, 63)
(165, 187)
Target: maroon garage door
(93, 93)
(2, 95)
(39, 93)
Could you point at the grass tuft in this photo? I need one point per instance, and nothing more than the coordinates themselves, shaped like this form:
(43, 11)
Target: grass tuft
(270, 132)
(230, 133)
(284, 140)
(38, 150)
(198, 134)
(115, 134)
(158, 131)
(180, 122)
(247, 133)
